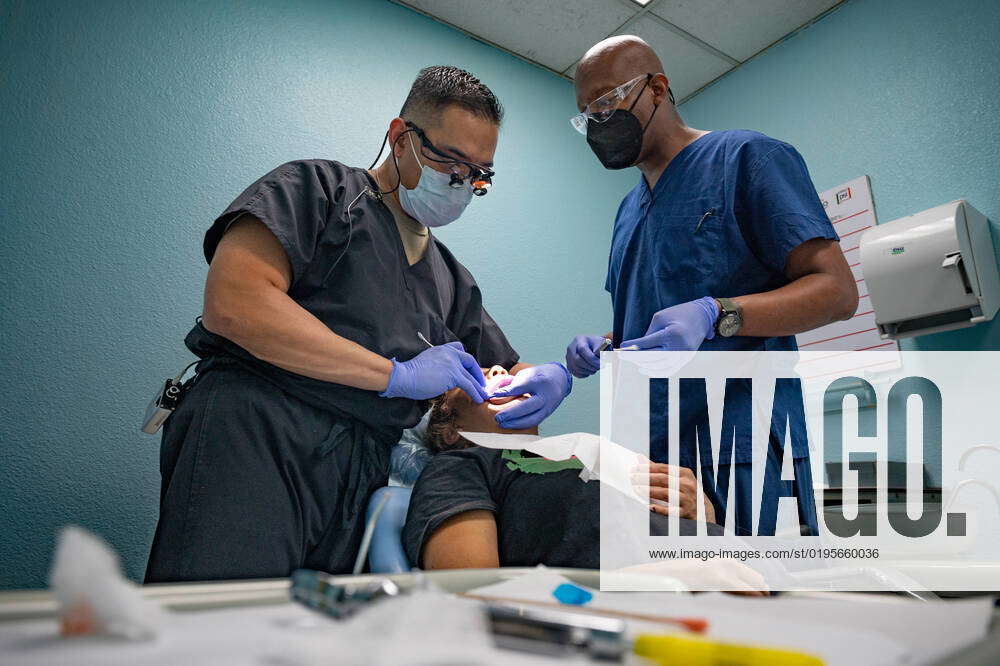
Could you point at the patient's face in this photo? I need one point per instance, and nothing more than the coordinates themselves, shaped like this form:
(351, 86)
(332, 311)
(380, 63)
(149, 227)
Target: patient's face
(482, 418)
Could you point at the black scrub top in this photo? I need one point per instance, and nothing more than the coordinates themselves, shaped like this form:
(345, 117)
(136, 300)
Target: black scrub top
(545, 513)
(353, 275)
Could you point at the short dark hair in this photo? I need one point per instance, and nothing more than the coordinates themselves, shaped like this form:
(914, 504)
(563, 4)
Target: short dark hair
(442, 430)
(442, 85)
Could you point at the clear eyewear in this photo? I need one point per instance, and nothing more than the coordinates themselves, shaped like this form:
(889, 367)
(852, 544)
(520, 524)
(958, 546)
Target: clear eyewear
(601, 108)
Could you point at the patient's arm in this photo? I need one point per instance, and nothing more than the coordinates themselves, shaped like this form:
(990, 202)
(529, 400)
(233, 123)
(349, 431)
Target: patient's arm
(465, 541)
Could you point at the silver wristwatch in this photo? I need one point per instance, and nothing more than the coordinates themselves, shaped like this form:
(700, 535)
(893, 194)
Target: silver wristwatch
(730, 318)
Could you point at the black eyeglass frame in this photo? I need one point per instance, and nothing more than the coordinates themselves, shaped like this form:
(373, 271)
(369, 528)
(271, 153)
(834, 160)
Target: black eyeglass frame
(477, 172)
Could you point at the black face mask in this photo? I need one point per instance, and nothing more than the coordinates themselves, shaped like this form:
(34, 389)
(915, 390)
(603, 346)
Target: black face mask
(618, 140)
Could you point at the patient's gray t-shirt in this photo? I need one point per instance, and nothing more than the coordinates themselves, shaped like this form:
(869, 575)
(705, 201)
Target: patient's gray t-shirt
(545, 513)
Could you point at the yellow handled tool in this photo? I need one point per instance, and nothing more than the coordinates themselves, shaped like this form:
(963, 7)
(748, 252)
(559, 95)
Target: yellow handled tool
(694, 651)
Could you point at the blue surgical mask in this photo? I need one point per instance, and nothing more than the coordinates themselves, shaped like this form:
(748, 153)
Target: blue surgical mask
(433, 202)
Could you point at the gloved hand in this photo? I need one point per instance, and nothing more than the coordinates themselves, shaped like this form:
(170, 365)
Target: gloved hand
(548, 384)
(434, 371)
(680, 327)
(581, 355)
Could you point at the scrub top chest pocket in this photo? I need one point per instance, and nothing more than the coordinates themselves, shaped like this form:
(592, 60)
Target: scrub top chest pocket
(689, 244)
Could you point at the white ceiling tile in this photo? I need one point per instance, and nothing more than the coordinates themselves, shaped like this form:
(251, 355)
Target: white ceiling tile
(687, 65)
(740, 28)
(554, 34)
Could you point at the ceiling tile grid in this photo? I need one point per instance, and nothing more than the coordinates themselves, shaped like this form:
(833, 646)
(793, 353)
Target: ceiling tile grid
(553, 34)
(697, 40)
(740, 28)
(688, 65)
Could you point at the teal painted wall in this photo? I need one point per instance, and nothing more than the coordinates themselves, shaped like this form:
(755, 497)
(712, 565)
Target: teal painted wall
(127, 127)
(906, 91)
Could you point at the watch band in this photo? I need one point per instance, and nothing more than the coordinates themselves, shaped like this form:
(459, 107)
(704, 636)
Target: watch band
(730, 317)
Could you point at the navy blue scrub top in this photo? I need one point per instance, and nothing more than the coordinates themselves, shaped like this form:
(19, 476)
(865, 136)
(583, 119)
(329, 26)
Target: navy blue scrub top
(721, 221)
(353, 275)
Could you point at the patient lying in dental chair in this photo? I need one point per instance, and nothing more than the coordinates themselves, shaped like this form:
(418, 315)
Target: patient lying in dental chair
(475, 507)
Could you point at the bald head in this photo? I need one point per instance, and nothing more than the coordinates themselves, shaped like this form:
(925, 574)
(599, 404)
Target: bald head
(610, 63)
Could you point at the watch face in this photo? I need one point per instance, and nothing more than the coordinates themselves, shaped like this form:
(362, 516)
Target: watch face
(729, 324)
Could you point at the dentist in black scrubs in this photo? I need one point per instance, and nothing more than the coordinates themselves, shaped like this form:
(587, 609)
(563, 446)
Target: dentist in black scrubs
(321, 278)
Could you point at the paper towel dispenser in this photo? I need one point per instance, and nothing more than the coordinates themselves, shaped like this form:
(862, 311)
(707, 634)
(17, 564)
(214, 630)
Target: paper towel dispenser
(930, 272)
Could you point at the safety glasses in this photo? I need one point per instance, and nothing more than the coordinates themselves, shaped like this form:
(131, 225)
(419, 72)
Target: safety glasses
(480, 178)
(601, 108)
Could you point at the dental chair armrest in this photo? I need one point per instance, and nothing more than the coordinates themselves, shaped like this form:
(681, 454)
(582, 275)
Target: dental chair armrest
(386, 554)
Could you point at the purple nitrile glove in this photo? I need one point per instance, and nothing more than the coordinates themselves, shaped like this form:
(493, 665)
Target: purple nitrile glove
(434, 371)
(680, 327)
(581, 355)
(548, 384)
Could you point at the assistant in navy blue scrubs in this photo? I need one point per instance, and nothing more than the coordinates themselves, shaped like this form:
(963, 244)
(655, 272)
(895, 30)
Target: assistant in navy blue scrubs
(715, 217)
(754, 202)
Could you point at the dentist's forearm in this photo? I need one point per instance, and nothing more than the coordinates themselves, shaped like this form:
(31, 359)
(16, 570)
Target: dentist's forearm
(246, 301)
(274, 328)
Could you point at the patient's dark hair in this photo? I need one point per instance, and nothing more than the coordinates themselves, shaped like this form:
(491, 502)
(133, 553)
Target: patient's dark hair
(436, 88)
(442, 433)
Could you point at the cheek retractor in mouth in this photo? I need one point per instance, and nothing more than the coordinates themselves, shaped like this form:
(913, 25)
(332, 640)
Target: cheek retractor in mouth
(494, 383)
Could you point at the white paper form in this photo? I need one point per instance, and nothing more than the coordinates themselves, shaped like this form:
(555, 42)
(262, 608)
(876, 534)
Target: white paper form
(851, 210)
